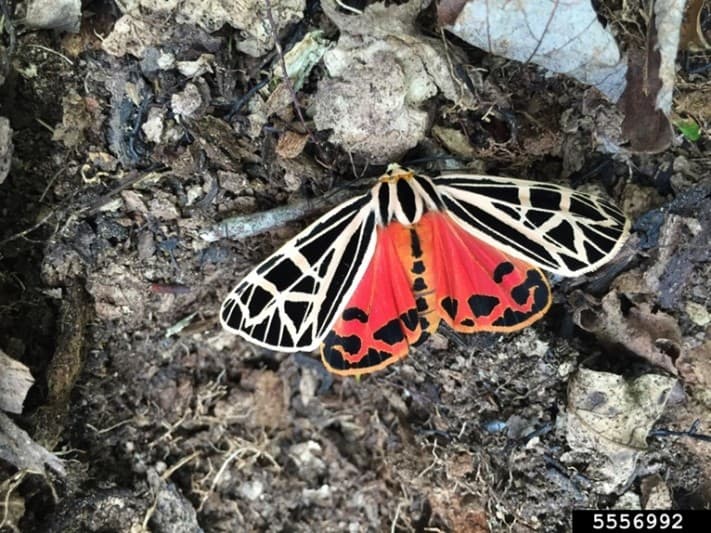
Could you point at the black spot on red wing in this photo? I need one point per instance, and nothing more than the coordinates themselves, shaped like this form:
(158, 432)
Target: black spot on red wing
(482, 305)
(520, 293)
(534, 281)
(541, 296)
(419, 285)
(468, 322)
(424, 324)
(354, 313)
(391, 333)
(502, 270)
(450, 306)
(418, 267)
(415, 244)
(372, 358)
(511, 318)
(421, 304)
(259, 300)
(425, 335)
(350, 344)
(410, 319)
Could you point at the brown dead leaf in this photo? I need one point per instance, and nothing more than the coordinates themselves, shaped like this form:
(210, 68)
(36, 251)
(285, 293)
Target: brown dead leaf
(462, 516)
(655, 493)
(448, 11)
(654, 336)
(692, 35)
(270, 406)
(645, 127)
(291, 144)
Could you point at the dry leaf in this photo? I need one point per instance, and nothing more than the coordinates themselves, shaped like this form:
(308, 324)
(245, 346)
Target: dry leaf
(611, 417)
(563, 37)
(291, 144)
(654, 336)
(15, 381)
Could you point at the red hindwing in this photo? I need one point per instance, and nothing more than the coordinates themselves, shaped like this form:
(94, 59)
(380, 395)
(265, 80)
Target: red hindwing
(380, 321)
(433, 270)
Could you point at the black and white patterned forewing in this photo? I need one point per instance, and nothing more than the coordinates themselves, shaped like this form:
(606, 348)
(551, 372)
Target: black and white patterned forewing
(291, 300)
(558, 229)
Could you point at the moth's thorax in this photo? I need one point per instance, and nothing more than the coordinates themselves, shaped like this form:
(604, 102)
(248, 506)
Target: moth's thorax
(403, 196)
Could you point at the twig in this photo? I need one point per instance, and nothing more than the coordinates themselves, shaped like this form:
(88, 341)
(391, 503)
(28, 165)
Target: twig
(287, 79)
(39, 46)
(242, 226)
(691, 432)
(24, 232)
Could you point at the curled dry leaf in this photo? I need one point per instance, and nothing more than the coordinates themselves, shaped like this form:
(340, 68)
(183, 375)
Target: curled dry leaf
(645, 127)
(611, 417)
(654, 336)
(692, 35)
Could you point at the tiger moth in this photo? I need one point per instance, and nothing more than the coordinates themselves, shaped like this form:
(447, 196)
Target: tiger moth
(379, 272)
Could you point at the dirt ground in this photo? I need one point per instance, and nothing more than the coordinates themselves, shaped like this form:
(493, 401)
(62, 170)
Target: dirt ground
(110, 295)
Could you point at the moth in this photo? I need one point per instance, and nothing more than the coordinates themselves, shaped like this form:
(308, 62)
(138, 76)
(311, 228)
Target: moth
(379, 272)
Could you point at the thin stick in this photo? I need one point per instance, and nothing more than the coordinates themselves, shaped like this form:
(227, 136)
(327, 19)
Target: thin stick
(287, 79)
(242, 226)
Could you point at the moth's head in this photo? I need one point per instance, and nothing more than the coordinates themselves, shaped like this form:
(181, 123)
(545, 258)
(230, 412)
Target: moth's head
(394, 173)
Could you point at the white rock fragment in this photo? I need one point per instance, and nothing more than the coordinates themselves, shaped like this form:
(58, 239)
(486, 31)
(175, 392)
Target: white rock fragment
(63, 15)
(192, 69)
(249, 16)
(381, 72)
(153, 126)
(188, 102)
